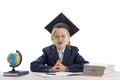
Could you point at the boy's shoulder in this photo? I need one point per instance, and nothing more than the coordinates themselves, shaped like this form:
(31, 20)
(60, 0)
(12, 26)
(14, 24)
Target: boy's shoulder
(74, 47)
(49, 47)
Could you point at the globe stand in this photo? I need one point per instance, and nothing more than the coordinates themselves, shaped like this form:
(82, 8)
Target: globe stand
(13, 70)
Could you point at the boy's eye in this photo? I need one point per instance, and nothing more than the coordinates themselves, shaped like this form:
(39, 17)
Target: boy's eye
(56, 36)
(62, 36)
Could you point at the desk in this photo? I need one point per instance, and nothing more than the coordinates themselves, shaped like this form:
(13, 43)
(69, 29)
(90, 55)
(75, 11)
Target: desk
(33, 76)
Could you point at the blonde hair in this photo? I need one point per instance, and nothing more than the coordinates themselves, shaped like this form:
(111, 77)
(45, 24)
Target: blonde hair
(53, 32)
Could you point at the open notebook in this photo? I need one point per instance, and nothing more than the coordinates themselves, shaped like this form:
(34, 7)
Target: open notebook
(64, 73)
(53, 74)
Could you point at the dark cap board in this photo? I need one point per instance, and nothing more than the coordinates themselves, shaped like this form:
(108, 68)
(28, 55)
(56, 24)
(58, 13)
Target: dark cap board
(62, 21)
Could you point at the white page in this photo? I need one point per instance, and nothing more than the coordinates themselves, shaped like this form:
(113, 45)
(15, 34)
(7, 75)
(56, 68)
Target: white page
(51, 74)
(64, 73)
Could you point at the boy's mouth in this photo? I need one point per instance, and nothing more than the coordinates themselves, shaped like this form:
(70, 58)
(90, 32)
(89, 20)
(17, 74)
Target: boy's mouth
(59, 42)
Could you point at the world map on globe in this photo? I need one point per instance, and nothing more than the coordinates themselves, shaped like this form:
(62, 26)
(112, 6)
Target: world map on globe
(14, 59)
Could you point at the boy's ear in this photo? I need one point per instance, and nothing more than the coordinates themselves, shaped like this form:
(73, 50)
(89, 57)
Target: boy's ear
(51, 38)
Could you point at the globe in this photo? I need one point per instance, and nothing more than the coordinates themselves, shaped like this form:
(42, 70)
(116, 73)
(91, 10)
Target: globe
(14, 59)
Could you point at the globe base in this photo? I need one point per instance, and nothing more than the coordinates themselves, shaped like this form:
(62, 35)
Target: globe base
(13, 70)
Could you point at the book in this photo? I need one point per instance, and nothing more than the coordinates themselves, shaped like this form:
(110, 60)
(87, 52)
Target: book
(15, 74)
(98, 69)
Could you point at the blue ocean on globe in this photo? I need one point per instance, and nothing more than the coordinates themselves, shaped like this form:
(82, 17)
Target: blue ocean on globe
(13, 59)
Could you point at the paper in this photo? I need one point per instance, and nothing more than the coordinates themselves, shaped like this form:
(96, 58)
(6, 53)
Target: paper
(64, 73)
(53, 74)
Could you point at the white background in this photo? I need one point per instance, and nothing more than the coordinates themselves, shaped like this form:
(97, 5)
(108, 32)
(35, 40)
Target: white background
(22, 25)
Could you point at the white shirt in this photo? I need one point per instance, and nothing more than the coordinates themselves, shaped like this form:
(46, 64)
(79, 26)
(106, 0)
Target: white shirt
(60, 53)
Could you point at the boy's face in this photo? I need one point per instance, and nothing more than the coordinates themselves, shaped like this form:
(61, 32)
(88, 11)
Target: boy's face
(61, 38)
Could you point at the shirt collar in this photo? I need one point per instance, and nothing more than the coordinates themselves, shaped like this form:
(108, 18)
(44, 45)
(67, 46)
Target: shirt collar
(61, 50)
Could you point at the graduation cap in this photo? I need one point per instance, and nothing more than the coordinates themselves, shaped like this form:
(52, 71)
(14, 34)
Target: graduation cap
(60, 20)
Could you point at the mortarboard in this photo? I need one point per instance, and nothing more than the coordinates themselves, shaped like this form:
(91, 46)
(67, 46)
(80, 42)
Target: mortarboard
(61, 18)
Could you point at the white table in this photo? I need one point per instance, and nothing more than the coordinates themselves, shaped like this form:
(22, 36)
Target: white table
(33, 76)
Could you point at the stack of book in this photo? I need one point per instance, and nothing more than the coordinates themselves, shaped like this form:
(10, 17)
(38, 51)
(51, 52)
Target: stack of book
(97, 69)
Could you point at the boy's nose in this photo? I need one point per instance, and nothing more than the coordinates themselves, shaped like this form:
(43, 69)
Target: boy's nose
(60, 38)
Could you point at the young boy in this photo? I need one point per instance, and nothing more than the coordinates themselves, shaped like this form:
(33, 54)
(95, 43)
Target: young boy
(60, 56)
